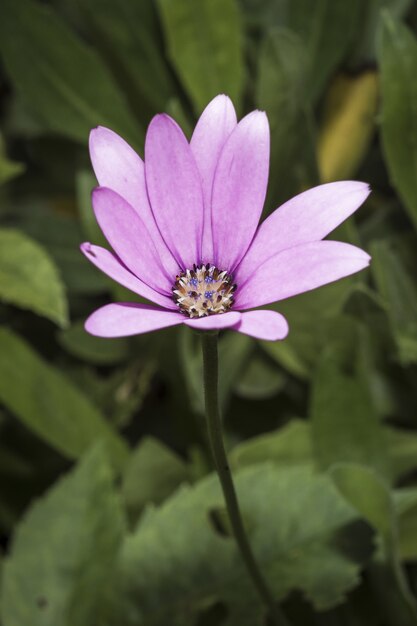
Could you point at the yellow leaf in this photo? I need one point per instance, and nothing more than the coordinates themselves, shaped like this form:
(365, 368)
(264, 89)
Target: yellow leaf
(348, 125)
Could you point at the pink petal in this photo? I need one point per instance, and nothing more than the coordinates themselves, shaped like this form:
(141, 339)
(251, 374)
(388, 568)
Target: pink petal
(239, 189)
(268, 325)
(213, 128)
(299, 269)
(214, 322)
(125, 318)
(174, 188)
(308, 217)
(108, 263)
(129, 237)
(118, 167)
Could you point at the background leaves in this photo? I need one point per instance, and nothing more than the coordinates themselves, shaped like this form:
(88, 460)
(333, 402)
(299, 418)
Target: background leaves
(109, 509)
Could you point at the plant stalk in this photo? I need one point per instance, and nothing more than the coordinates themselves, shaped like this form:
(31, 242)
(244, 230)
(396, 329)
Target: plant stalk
(210, 366)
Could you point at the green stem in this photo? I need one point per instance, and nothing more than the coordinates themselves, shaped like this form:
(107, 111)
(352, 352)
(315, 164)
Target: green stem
(210, 361)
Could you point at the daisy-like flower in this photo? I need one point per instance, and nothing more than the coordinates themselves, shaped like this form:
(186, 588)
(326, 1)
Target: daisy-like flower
(183, 225)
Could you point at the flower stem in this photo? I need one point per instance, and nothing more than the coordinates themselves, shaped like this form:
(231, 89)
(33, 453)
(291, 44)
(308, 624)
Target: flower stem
(210, 363)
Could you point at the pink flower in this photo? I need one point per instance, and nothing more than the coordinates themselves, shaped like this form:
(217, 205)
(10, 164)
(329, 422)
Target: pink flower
(183, 225)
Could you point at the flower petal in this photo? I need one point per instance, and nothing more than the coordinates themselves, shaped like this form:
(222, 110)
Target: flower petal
(174, 188)
(118, 167)
(123, 319)
(308, 217)
(300, 269)
(129, 237)
(214, 322)
(108, 263)
(239, 189)
(269, 325)
(213, 128)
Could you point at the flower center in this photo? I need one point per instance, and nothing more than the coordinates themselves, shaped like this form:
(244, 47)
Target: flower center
(204, 290)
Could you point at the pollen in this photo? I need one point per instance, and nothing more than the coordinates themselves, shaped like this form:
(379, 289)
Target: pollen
(203, 290)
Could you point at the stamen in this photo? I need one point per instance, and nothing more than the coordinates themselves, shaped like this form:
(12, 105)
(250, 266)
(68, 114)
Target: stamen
(193, 297)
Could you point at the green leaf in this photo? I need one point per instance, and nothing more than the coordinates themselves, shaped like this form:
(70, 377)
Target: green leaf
(398, 62)
(260, 379)
(152, 473)
(69, 88)
(129, 38)
(8, 169)
(301, 349)
(96, 350)
(29, 278)
(290, 445)
(400, 292)
(403, 450)
(64, 550)
(369, 27)
(205, 46)
(326, 29)
(61, 236)
(406, 508)
(50, 405)
(281, 92)
(178, 555)
(345, 426)
(364, 490)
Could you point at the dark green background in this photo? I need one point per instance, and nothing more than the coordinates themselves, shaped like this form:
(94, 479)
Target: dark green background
(109, 512)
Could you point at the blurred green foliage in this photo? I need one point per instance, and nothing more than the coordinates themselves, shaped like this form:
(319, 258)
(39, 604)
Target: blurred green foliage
(109, 510)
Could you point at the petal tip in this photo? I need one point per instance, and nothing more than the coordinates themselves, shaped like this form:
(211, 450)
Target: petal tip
(87, 249)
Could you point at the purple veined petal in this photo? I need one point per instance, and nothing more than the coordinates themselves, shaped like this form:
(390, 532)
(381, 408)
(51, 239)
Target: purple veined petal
(268, 325)
(174, 188)
(307, 217)
(299, 269)
(239, 189)
(108, 263)
(214, 322)
(129, 238)
(210, 134)
(118, 167)
(123, 319)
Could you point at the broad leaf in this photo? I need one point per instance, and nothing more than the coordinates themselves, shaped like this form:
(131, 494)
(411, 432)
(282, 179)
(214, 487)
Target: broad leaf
(177, 555)
(290, 445)
(205, 46)
(29, 278)
(69, 88)
(51, 406)
(63, 551)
